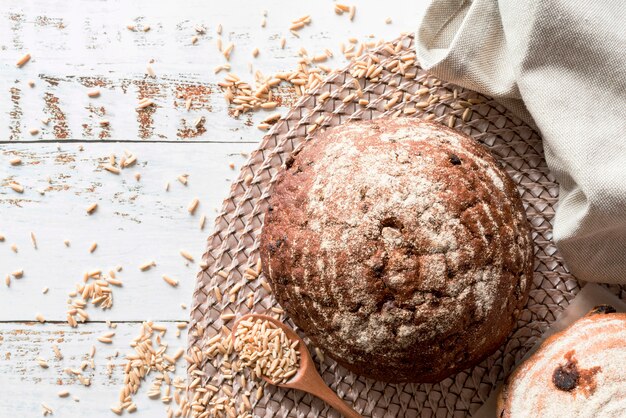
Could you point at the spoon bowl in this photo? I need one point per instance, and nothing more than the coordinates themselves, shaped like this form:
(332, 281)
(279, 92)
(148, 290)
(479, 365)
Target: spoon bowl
(306, 378)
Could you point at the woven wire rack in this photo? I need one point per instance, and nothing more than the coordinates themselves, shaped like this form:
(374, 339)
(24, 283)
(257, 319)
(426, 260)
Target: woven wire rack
(233, 247)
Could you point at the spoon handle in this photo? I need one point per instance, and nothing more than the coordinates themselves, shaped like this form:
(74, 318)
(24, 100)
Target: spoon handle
(319, 388)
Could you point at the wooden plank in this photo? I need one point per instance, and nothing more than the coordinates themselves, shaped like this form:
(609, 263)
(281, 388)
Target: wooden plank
(135, 222)
(25, 384)
(78, 44)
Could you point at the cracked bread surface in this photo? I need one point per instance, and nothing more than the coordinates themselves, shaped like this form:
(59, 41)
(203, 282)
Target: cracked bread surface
(400, 247)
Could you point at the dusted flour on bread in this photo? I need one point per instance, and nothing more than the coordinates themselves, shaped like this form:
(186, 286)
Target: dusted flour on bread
(579, 372)
(399, 247)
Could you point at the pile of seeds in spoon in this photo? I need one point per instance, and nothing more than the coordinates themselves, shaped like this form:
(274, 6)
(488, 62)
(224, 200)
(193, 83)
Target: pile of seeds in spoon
(266, 350)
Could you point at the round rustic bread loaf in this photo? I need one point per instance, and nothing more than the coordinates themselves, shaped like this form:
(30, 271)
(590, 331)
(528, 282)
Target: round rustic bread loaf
(579, 372)
(399, 247)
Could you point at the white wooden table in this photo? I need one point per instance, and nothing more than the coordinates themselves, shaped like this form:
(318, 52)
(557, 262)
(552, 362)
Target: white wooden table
(77, 45)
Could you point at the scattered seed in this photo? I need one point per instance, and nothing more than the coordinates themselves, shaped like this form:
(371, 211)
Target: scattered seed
(63, 394)
(93, 93)
(92, 208)
(15, 161)
(199, 122)
(352, 12)
(39, 317)
(186, 255)
(147, 266)
(150, 71)
(33, 131)
(33, 239)
(106, 338)
(172, 282)
(25, 58)
(112, 169)
(143, 103)
(193, 206)
(93, 247)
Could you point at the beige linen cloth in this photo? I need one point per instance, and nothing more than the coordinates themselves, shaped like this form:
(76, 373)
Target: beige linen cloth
(560, 66)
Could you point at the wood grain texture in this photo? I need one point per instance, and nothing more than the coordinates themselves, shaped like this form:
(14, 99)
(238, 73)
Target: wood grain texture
(77, 45)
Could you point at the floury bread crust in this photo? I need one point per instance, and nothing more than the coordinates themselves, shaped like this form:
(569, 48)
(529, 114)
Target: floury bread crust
(580, 372)
(399, 247)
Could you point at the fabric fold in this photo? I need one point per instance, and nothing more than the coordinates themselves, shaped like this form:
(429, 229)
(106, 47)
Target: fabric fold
(561, 67)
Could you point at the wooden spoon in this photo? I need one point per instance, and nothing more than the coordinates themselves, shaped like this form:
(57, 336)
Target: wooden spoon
(306, 378)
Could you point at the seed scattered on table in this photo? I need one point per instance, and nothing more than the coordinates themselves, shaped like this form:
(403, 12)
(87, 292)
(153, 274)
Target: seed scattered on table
(25, 58)
(143, 103)
(147, 266)
(92, 208)
(106, 338)
(46, 410)
(15, 161)
(172, 282)
(39, 317)
(193, 206)
(111, 169)
(93, 93)
(63, 394)
(186, 255)
(228, 50)
(93, 247)
(16, 187)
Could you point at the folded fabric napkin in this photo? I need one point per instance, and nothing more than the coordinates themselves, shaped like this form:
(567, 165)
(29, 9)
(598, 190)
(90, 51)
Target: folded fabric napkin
(561, 67)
